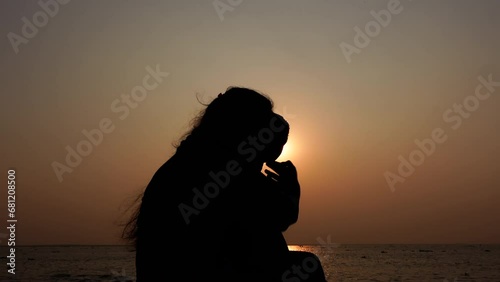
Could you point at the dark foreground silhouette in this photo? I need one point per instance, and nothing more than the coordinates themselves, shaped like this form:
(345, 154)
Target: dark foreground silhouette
(209, 213)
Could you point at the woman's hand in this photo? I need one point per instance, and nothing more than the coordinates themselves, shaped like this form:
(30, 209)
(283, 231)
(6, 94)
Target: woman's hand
(283, 170)
(285, 174)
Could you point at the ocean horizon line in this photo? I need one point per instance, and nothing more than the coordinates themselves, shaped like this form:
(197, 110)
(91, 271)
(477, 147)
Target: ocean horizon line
(290, 244)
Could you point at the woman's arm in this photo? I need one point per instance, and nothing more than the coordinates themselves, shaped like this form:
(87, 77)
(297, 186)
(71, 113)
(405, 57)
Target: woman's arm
(284, 181)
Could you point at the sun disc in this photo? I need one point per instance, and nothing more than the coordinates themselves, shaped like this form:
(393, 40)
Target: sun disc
(287, 152)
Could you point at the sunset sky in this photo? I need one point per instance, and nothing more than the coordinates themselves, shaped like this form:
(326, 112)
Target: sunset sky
(394, 109)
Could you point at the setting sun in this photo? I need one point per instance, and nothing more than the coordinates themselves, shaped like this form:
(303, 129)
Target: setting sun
(287, 153)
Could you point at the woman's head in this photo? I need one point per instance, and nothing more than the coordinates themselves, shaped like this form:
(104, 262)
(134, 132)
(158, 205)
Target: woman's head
(235, 118)
(275, 137)
(238, 124)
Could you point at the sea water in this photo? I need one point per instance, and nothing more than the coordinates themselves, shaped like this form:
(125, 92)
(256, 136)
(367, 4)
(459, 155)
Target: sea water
(445, 263)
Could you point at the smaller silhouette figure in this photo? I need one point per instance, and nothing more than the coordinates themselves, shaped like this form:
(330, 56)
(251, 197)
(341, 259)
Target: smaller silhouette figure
(212, 212)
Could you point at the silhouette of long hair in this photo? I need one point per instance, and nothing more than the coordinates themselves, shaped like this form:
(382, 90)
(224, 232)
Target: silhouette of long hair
(228, 119)
(216, 132)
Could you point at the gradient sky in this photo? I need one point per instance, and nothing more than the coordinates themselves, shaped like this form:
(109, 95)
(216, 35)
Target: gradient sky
(350, 121)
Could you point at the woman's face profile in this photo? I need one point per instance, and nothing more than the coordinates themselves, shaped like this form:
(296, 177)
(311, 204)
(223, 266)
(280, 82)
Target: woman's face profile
(274, 153)
(275, 147)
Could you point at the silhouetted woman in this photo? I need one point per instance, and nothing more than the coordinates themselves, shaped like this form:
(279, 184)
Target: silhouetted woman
(210, 214)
